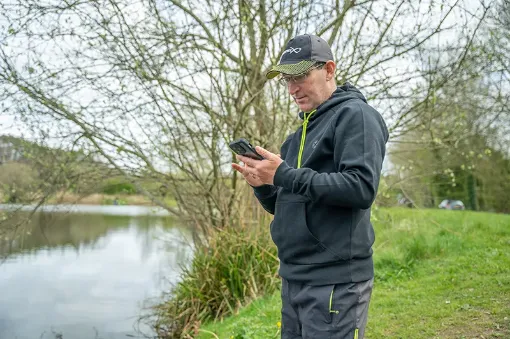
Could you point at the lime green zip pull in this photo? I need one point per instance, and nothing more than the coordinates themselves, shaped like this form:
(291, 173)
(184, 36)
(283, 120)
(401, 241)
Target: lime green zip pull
(303, 137)
(331, 310)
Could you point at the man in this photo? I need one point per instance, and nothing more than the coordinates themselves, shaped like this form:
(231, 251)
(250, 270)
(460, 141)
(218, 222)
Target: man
(320, 192)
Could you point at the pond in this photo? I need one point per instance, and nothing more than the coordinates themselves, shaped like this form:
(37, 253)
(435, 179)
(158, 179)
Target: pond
(76, 272)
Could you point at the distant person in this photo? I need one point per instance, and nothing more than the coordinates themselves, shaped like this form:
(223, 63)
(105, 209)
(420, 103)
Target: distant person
(320, 192)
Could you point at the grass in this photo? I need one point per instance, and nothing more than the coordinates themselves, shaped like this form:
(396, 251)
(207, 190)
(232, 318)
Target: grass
(439, 274)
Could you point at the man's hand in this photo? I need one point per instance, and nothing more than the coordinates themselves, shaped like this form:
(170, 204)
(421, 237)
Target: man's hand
(259, 172)
(250, 178)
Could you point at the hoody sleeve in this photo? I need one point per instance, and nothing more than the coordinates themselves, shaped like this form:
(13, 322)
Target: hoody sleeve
(267, 194)
(360, 138)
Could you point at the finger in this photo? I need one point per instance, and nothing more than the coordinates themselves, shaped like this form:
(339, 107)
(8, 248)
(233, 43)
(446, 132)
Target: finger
(238, 168)
(265, 153)
(248, 171)
(243, 170)
(247, 161)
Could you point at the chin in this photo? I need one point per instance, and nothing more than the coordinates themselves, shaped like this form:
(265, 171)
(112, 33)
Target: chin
(305, 108)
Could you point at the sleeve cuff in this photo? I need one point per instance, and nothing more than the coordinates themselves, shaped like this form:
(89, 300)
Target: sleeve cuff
(284, 176)
(263, 191)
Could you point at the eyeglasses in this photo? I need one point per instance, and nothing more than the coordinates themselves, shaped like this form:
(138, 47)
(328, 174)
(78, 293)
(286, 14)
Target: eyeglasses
(285, 80)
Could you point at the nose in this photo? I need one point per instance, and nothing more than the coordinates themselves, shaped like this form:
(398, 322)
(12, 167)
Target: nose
(293, 88)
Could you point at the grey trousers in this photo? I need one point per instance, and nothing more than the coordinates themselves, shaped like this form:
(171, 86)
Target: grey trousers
(325, 312)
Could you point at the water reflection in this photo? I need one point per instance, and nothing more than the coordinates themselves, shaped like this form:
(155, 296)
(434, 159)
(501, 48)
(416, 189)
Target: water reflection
(84, 275)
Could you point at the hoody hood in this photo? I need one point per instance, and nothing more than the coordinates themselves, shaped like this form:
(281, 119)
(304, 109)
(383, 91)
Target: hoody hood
(340, 95)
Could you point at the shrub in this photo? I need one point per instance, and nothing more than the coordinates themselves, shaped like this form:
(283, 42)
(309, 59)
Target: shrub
(118, 186)
(18, 183)
(238, 265)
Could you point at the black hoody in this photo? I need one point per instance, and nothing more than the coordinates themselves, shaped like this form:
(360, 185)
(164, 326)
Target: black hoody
(321, 202)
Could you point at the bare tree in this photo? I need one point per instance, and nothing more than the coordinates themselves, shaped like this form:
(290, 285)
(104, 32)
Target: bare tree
(159, 88)
(457, 145)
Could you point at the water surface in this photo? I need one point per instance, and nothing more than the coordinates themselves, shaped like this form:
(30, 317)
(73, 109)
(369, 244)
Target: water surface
(86, 273)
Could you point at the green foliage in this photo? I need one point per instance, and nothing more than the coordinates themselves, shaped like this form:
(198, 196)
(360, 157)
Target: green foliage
(452, 153)
(56, 170)
(118, 186)
(238, 265)
(17, 182)
(439, 274)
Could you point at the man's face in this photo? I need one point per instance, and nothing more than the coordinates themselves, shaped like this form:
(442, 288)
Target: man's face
(311, 90)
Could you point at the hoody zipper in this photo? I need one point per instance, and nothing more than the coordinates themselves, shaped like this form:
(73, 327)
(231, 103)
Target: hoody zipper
(303, 137)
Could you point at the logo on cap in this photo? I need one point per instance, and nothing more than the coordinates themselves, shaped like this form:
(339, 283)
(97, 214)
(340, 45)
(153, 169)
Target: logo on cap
(290, 50)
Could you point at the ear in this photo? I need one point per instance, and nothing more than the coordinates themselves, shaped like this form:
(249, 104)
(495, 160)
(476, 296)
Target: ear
(330, 68)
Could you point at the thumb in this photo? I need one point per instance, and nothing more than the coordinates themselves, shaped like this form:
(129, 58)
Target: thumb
(265, 153)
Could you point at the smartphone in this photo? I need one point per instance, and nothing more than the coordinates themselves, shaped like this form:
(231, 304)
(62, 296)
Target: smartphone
(243, 147)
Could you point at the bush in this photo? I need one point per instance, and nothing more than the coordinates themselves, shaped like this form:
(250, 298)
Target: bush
(238, 265)
(118, 186)
(18, 183)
